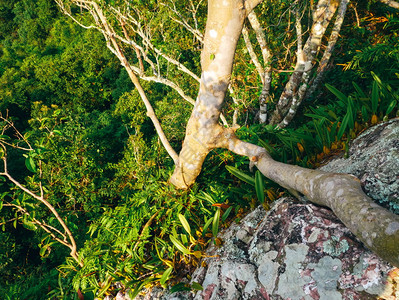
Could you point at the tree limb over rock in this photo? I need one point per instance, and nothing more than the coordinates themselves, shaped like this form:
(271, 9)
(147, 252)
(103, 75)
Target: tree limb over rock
(377, 227)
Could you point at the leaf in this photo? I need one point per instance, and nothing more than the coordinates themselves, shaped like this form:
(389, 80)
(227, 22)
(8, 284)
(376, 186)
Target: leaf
(215, 223)
(30, 164)
(165, 276)
(337, 93)
(259, 186)
(266, 146)
(4, 137)
(179, 245)
(197, 286)
(207, 223)
(374, 97)
(185, 224)
(351, 122)
(359, 90)
(139, 287)
(241, 175)
(29, 225)
(390, 108)
(226, 213)
(365, 114)
(343, 126)
(212, 57)
(57, 132)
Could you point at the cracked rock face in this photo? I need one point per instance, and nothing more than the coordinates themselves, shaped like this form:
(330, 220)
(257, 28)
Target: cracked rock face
(301, 251)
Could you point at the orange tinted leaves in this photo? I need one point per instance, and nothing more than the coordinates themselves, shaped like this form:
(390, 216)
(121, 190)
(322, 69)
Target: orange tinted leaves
(221, 205)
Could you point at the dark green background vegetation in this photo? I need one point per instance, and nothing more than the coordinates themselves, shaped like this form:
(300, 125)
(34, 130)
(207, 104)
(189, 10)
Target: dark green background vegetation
(105, 170)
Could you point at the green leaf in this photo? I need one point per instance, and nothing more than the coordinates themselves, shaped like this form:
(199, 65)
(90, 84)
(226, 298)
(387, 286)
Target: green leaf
(342, 129)
(57, 132)
(365, 114)
(139, 287)
(165, 276)
(215, 223)
(390, 107)
(359, 90)
(259, 186)
(185, 224)
(29, 225)
(241, 175)
(226, 213)
(197, 286)
(179, 245)
(4, 137)
(351, 121)
(212, 57)
(207, 223)
(337, 93)
(266, 146)
(30, 164)
(374, 97)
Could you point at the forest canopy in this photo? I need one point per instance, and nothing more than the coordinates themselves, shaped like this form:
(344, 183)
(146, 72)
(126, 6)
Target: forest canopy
(133, 131)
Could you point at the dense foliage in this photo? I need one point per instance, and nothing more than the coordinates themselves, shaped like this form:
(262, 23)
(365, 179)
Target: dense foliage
(86, 142)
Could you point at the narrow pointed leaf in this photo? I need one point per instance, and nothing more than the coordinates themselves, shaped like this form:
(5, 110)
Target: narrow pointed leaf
(337, 93)
(206, 226)
(374, 97)
(185, 224)
(165, 276)
(241, 175)
(259, 186)
(215, 223)
(179, 245)
(226, 213)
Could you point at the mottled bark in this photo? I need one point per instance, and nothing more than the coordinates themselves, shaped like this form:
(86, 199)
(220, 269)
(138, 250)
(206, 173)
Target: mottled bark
(266, 76)
(203, 132)
(322, 16)
(321, 69)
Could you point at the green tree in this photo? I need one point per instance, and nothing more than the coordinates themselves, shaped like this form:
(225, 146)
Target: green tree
(125, 24)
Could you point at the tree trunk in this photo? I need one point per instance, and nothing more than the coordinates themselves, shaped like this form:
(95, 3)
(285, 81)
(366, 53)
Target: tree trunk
(223, 28)
(375, 226)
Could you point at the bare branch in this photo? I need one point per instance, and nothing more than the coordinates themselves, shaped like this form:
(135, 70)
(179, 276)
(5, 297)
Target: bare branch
(266, 77)
(251, 52)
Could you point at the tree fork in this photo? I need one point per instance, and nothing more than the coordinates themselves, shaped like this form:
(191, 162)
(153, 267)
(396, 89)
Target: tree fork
(375, 226)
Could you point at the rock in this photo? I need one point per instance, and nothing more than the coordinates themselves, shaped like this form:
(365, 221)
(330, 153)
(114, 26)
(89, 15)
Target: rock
(374, 159)
(298, 250)
(295, 251)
